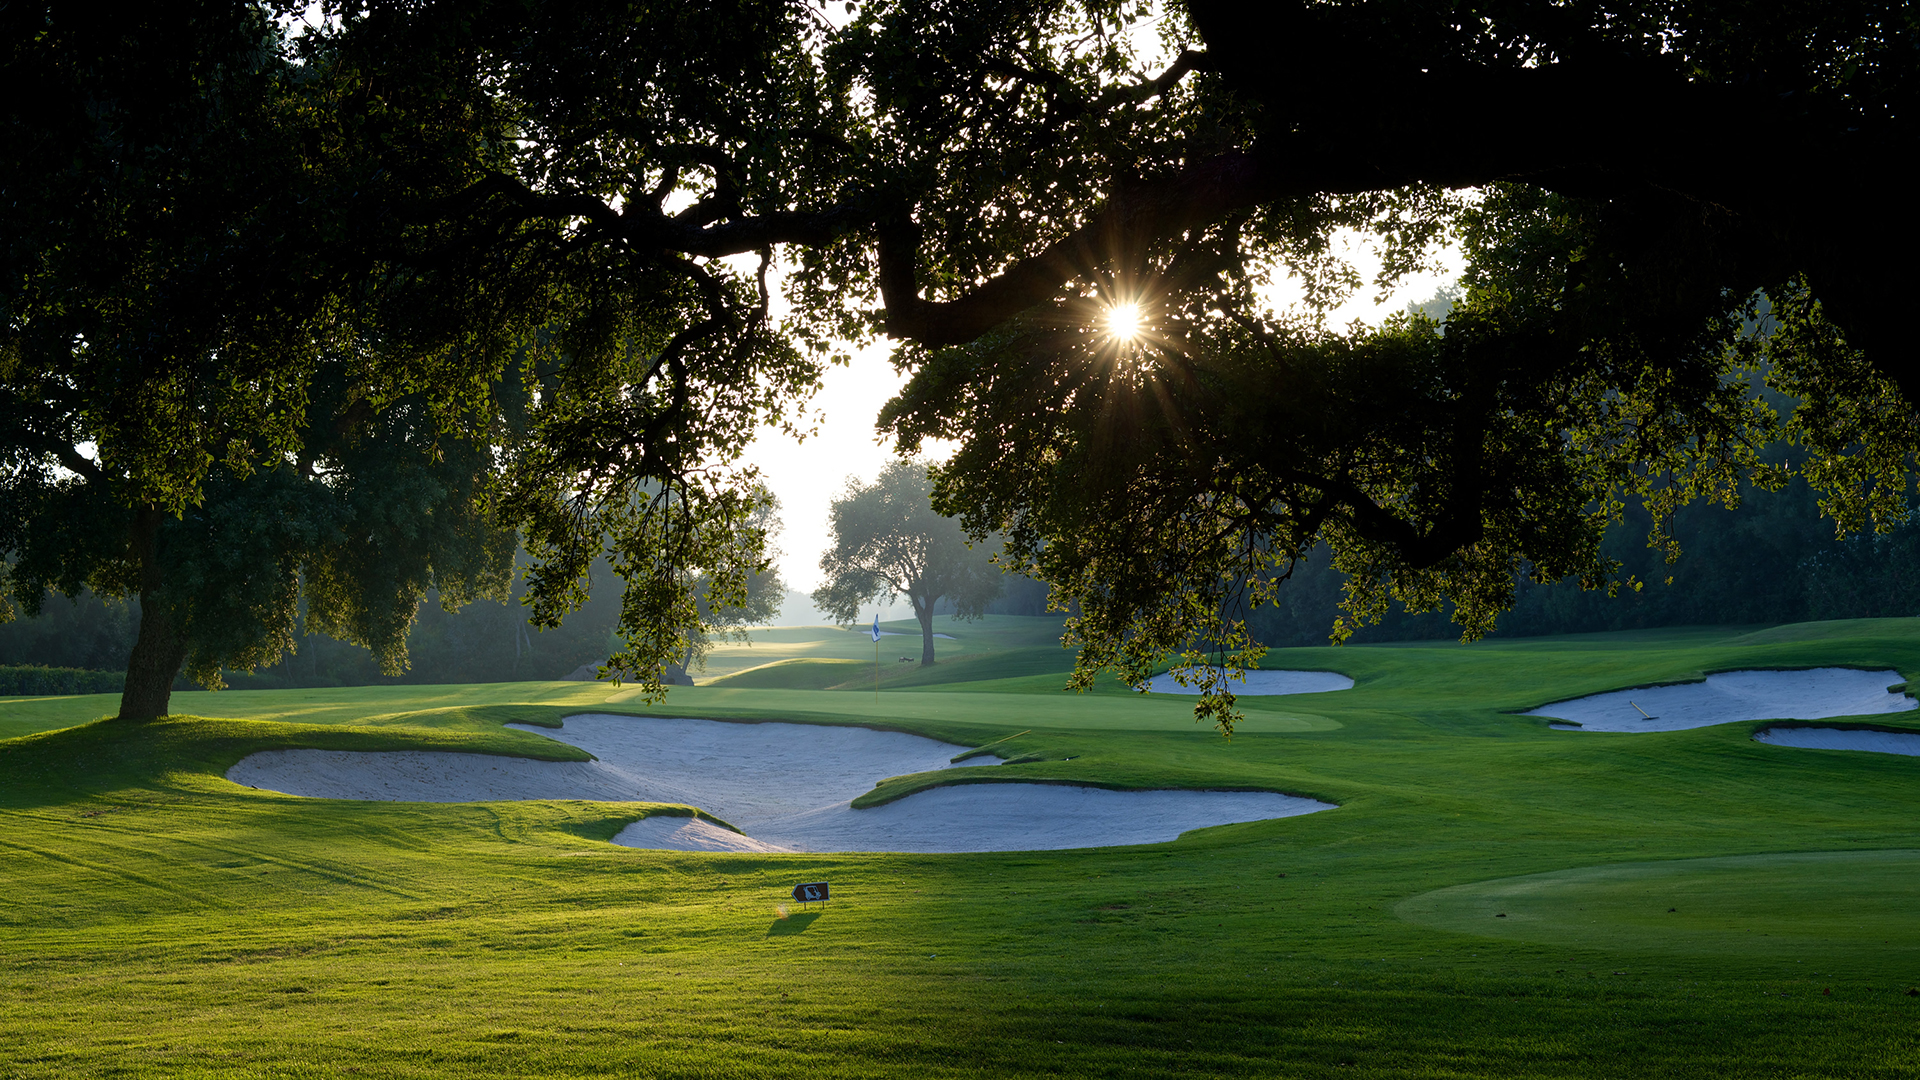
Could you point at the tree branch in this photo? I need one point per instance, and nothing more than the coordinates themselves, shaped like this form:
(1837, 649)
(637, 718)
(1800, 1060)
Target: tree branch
(1138, 214)
(692, 232)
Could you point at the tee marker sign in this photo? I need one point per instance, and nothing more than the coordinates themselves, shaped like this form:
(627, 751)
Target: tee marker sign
(811, 892)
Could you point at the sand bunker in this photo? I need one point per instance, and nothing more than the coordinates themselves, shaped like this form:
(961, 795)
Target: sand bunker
(687, 834)
(1263, 683)
(787, 786)
(1730, 696)
(1826, 738)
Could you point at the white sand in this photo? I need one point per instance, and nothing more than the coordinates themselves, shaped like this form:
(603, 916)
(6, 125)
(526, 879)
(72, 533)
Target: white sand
(1731, 696)
(1019, 817)
(687, 834)
(1826, 738)
(1263, 683)
(787, 786)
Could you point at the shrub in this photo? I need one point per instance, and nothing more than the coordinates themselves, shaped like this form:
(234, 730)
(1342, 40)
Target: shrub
(34, 681)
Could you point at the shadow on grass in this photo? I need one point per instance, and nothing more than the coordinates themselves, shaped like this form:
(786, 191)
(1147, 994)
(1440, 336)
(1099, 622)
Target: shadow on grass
(793, 924)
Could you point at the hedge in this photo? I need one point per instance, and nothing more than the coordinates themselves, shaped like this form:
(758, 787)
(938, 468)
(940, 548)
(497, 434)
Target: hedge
(35, 681)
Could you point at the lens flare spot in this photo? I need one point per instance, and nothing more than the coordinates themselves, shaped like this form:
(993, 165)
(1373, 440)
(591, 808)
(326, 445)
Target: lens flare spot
(1124, 321)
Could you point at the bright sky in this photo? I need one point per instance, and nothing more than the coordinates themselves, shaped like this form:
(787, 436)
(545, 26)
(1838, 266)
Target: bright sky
(809, 475)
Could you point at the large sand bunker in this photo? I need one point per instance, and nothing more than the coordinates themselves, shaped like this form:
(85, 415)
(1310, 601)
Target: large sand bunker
(1730, 696)
(1262, 683)
(787, 786)
(1826, 738)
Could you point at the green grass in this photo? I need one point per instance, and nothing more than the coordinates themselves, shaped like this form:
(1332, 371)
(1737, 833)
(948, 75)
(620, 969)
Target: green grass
(1000, 642)
(158, 921)
(1704, 906)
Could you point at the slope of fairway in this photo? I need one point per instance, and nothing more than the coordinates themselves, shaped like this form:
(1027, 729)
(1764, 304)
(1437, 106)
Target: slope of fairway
(158, 920)
(1838, 909)
(1007, 638)
(999, 711)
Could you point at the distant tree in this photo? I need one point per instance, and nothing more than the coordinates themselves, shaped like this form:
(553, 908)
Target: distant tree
(1438, 306)
(85, 631)
(888, 542)
(1868, 576)
(1021, 595)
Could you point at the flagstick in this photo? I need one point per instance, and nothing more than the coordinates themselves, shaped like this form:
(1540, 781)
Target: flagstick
(876, 658)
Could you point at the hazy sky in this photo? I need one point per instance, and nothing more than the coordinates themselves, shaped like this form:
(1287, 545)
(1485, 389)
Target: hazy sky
(808, 475)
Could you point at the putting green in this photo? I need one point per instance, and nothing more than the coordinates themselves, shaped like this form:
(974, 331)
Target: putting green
(996, 639)
(1075, 712)
(1826, 905)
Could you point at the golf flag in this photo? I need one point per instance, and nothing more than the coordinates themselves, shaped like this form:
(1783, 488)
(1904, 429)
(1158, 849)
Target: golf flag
(876, 628)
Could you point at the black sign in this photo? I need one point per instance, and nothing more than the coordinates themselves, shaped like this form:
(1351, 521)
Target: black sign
(811, 891)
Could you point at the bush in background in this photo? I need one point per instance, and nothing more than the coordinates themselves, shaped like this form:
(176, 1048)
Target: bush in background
(40, 681)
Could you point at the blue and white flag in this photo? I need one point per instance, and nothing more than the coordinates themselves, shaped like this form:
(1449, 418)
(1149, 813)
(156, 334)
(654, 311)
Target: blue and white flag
(876, 627)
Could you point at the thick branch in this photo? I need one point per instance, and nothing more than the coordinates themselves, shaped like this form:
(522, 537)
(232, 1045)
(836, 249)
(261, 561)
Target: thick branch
(642, 224)
(1141, 212)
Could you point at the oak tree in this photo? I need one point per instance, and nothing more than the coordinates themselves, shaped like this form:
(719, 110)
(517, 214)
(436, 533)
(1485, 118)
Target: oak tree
(601, 194)
(889, 542)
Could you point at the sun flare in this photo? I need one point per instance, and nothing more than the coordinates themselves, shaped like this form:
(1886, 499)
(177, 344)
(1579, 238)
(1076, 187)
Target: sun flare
(1123, 321)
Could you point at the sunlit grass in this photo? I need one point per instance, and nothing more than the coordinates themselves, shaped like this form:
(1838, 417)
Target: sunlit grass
(157, 920)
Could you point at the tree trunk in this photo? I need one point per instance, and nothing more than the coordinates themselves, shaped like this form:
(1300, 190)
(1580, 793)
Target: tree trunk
(923, 610)
(160, 648)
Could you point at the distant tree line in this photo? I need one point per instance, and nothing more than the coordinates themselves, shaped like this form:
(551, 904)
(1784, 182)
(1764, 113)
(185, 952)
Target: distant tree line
(486, 641)
(35, 681)
(1774, 559)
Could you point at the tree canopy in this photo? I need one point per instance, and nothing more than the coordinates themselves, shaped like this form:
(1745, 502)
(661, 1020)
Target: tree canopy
(888, 542)
(727, 617)
(600, 200)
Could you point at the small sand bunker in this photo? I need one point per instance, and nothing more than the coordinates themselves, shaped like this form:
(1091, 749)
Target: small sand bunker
(1813, 694)
(786, 786)
(1263, 683)
(1826, 738)
(687, 834)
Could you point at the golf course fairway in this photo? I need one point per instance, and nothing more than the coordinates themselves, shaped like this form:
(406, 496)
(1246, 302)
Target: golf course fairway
(1491, 899)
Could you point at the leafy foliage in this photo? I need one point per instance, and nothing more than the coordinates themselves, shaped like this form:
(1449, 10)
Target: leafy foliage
(554, 232)
(34, 681)
(725, 617)
(1603, 350)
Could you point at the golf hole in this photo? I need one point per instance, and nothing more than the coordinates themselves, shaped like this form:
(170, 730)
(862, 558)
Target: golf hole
(786, 787)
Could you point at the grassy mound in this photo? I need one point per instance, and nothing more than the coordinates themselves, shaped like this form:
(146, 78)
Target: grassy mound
(158, 920)
(1783, 905)
(796, 674)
